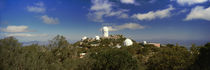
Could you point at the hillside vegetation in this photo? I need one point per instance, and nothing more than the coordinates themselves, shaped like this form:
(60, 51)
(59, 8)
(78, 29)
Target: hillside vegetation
(59, 54)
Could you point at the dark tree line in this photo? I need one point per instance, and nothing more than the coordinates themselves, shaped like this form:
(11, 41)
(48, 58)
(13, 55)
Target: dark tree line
(61, 55)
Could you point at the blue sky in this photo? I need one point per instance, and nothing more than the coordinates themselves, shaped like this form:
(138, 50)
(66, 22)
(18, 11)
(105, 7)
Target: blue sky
(41, 20)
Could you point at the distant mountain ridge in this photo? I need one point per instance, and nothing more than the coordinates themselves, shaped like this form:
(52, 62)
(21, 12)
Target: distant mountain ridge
(35, 42)
(186, 43)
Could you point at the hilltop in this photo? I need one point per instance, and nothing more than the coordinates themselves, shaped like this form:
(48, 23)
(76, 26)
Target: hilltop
(92, 54)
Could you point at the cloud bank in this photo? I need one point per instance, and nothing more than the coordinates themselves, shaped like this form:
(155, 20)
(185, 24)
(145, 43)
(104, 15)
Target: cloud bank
(26, 35)
(49, 20)
(37, 8)
(199, 12)
(20, 31)
(190, 2)
(131, 26)
(104, 8)
(127, 1)
(16, 29)
(154, 14)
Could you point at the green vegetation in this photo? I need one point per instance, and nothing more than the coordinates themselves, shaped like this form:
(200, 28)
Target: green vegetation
(61, 55)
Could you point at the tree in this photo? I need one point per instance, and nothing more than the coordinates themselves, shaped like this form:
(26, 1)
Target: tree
(9, 42)
(59, 41)
(9, 49)
(202, 61)
(114, 59)
(170, 58)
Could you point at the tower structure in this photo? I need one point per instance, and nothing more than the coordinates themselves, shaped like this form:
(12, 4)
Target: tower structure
(105, 31)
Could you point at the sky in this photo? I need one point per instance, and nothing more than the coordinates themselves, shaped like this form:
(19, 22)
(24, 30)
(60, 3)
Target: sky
(41, 20)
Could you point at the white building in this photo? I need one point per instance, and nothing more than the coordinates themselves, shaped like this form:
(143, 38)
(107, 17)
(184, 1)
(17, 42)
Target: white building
(83, 38)
(105, 31)
(144, 42)
(128, 42)
(97, 38)
(81, 55)
(155, 44)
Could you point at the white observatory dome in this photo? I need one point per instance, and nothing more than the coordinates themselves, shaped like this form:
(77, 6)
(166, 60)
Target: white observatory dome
(97, 38)
(105, 28)
(128, 42)
(84, 38)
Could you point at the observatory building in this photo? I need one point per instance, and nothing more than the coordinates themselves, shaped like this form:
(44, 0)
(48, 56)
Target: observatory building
(84, 38)
(128, 42)
(97, 38)
(155, 44)
(105, 31)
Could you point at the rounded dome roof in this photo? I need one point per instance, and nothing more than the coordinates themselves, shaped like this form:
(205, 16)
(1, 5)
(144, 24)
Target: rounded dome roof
(83, 38)
(128, 42)
(97, 38)
(105, 28)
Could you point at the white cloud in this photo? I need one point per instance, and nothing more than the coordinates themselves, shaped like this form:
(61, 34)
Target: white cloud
(104, 8)
(41, 4)
(152, 15)
(124, 16)
(190, 2)
(49, 20)
(127, 1)
(16, 29)
(152, 1)
(101, 5)
(117, 13)
(183, 11)
(37, 8)
(26, 35)
(132, 26)
(40, 8)
(199, 12)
